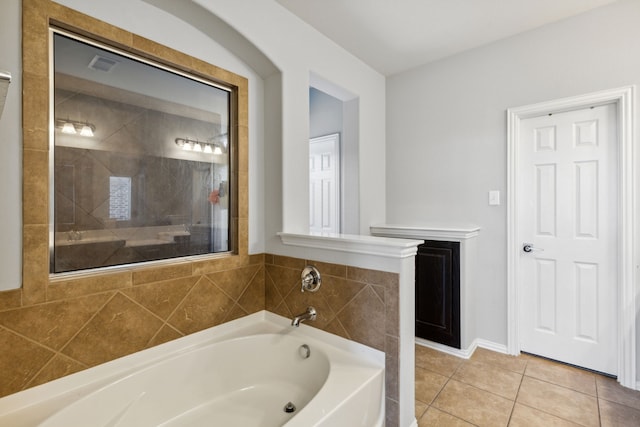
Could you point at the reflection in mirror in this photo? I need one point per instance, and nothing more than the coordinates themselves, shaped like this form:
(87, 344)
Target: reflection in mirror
(141, 159)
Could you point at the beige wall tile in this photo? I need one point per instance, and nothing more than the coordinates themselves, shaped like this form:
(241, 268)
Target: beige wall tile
(60, 366)
(90, 284)
(53, 324)
(253, 298)
(364, 319)
(234, 282)
(205, 306)
(284, 279)
(10, 299)
(121, 327)
(20, 361)
(165, 334)
(161, 298)
(329, 269)
(373, 277)
(158, 273)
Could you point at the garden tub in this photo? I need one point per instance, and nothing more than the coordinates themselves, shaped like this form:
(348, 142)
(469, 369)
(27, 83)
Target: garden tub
(255, 371)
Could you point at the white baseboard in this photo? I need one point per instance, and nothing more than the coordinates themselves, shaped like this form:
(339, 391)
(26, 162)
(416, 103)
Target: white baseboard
(464, 353)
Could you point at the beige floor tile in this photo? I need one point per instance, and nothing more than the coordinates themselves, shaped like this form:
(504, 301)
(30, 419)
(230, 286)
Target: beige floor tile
(428, 385)
(436, 418)
(504, 361)
(560, 401)
(436, 361)
(616, 415)
(473, 405)
(490, 378)
(610, 390)
(524, 416)
(564, 375)
(420, 409)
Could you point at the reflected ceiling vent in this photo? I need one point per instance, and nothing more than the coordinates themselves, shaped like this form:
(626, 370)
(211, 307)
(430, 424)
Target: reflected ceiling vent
(101, 63)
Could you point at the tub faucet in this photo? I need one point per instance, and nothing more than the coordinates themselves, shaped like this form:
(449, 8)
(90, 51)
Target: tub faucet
(310, 314)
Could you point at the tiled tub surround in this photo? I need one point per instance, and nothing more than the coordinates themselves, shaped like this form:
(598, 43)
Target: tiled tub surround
(85, 322)
(88, 321)
(358, 304)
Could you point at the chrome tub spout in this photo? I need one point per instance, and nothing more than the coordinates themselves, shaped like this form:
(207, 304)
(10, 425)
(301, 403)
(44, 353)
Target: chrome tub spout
(310, 314)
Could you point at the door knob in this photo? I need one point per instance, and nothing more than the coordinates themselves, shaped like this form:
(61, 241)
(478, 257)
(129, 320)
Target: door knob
(528, 247)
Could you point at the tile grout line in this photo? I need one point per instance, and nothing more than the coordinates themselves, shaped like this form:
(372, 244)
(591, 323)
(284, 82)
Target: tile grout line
(515, 400)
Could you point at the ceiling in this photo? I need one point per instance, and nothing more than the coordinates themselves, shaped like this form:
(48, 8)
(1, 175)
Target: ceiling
(396, 35)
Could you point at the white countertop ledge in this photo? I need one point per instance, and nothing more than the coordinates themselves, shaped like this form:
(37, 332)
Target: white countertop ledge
(368, 245)
(426, 231)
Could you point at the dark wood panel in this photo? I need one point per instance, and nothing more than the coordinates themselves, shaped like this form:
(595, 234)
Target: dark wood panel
(438, 292)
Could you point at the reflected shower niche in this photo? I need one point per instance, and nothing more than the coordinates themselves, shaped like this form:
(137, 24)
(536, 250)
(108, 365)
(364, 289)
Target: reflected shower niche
(141, 159)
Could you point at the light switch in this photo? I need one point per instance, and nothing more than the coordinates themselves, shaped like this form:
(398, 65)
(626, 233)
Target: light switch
(494, 198)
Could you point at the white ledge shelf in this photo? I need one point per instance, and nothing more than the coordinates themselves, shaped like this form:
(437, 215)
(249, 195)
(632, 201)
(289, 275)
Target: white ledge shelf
(426, 232)
(368, 245)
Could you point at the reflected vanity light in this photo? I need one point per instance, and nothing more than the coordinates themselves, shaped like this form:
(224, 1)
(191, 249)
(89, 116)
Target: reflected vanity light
(73, 127)
(188, 144)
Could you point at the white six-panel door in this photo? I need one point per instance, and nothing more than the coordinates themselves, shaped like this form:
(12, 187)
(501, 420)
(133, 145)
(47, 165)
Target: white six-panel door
(324, 184)
(568, 221)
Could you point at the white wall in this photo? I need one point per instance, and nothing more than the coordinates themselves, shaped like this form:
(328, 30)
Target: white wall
(299, 51)
(446, 128)
(11, 149)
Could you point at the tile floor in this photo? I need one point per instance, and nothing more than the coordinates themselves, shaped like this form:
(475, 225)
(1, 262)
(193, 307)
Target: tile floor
(494, 389)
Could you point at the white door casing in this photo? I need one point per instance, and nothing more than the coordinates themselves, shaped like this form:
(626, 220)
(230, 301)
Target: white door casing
(324, 184)
(627, 238)
(567, 215)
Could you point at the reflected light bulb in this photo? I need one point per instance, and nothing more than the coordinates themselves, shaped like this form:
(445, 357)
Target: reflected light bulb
(217, 150)
(197, 147)
(86, 131)
(207, 149)
(69, 128)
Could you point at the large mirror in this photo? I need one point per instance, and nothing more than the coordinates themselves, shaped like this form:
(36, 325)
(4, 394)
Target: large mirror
(140, 159)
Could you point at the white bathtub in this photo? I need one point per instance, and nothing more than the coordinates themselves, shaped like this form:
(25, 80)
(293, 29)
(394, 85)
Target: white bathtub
(242, 373)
